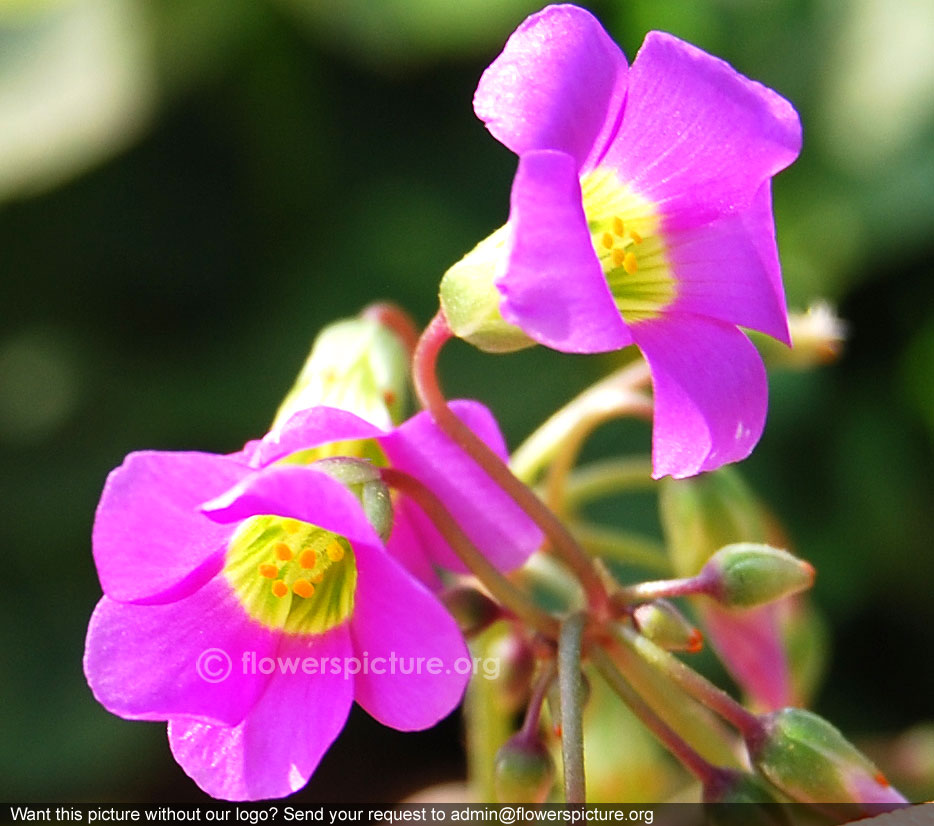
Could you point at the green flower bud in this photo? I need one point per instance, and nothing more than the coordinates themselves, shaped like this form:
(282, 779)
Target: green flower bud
(362, 479)
(473, 610)
(704, 513)
(667, 627)
(747, 574)
(736, 798)
(358, 365)
(523, 771)
(817, 336)
(471, 301)
(811, 761)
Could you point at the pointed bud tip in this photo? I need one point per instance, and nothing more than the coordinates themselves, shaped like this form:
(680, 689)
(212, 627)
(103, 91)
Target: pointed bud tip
(747, 574)
(808, 759)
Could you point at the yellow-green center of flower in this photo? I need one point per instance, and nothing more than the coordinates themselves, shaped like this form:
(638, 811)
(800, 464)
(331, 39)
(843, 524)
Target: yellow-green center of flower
(626, 236)
(291, 575)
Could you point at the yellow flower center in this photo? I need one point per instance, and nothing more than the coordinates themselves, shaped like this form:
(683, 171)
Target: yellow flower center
(624, 227)
(291, 575)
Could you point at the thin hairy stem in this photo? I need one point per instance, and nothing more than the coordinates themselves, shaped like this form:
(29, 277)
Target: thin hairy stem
(429, 393)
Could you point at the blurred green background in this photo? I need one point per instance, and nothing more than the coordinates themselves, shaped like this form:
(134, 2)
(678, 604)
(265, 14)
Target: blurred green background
(190, 189)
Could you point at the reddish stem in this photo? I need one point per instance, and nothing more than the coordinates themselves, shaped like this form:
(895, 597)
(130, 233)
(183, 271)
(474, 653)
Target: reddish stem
(394, 318)
(424, 375)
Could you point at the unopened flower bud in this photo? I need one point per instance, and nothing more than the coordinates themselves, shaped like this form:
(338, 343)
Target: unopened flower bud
(359, 365)
(471, 301)
(472, 609)
(812, 762)
(517, 666)
(362, 479)
(667, 627)
(523, 771)
(748, 574)
(817, 337)
(759, 804)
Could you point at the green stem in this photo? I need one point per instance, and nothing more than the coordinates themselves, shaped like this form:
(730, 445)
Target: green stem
(500, 587)
(610, 402)
(487, 724)
(704, 771)
(571, 690)
(717, 700)
(429, 393)
(621, 546)
(618, 391)
(603, 478)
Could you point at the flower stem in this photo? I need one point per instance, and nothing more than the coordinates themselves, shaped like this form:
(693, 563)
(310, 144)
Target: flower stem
(664, 589)
(500, 587)
(602, 403)
(717, 700)
(571, 690)
(429, 393)
(613, 396)
(609, 476)
(621, 546)
(533, 713)
(704, 771)
(394, 318)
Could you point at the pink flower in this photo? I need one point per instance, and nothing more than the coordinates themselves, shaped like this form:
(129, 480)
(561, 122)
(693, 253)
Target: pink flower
(243, 592)
(641, 214)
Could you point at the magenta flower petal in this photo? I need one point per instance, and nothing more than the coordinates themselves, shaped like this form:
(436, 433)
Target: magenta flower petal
(697, 138)
(153, 662)
(274, 751)
(557, 85)
(728, 269)
(553, 286)
(415, 549)
(492, 520)
(151, 544)
(406, 633)
(749, 643)
(311, 428)
(710, 393)
(298, 492)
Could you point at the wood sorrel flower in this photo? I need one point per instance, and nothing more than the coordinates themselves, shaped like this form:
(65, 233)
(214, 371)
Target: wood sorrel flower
(640, 214)
(249, 600)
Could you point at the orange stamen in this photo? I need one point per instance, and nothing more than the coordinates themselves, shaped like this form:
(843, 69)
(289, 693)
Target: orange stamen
(283, 551)
(335, 551)
(303, 588)
(308, 559)
(618, 225)
(279, 588)
(881, 779)
(630, 264)
(607, 240)
(268, 571)
(695, 642)
(635, 236)
(617, 257)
